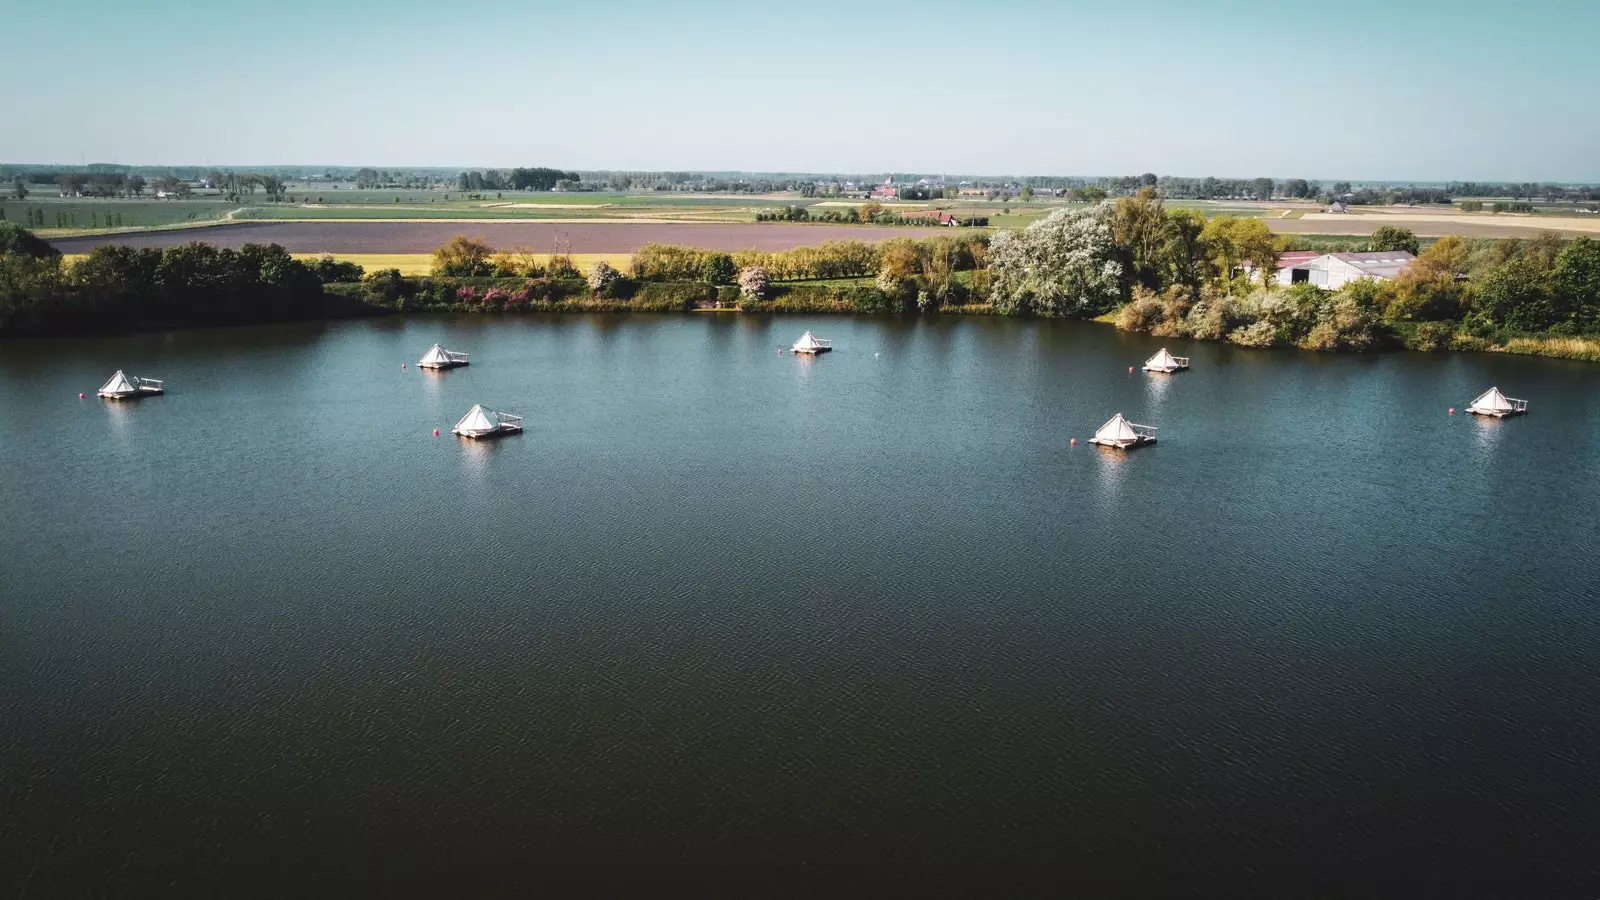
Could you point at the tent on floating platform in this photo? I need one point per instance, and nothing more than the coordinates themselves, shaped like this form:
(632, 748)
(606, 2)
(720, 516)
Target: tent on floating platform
(123, 386)
(1123, 435)
(483, 422)
(1166, 362)
(809, 343)
(1494, 403)
(439, 358)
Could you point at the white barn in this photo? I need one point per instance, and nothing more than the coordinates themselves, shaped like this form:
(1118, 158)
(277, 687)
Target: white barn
(1335, 270)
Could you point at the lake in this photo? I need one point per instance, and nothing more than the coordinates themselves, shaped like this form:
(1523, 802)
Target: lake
(729, 619)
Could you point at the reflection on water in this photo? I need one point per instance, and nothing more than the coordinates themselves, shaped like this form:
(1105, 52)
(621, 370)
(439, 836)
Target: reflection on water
(1111, 469)
(1488, 431)
(1156, 387)
(120, 413)
(477, 455)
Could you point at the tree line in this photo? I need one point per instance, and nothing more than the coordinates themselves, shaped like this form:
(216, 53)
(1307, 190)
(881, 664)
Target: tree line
(118, 288)
(536, 179)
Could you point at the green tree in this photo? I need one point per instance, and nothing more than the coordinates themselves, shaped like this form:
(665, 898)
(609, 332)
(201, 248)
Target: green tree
(1026, 195)
(1262, 188)
(19, 190)
(1231, 242)
(1516, 295)
(1139, 226)
(1183, 253)
(1577, 282)
(16, 240)
(1392, 237)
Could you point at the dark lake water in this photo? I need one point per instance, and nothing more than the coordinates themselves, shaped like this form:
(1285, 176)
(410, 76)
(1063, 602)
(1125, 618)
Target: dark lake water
(764, 626)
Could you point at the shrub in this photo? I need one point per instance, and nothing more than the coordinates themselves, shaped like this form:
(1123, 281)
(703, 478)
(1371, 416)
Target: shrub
(1143, 313)
(1212, 319)
(1431, 336)
(1259, 334)
(463, 257)
(331, 271)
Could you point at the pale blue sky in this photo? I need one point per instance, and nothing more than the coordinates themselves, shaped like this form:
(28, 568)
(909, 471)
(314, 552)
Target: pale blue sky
(1359, 89)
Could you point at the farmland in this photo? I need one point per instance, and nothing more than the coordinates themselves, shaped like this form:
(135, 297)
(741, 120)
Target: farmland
(323, 217)
(346, 238)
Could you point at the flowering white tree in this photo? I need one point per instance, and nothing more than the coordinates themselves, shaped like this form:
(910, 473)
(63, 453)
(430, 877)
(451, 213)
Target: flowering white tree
(1062, 265)
(753, 282)
(602, 277)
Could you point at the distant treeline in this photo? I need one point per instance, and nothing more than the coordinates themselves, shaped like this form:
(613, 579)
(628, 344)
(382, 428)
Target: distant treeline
(538, 179)
(116, 289)
(867, 213)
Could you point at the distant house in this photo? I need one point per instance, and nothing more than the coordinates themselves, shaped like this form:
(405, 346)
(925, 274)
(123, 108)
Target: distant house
(944, 217)
(1335, 270)
(885, 191)
(1338, 206)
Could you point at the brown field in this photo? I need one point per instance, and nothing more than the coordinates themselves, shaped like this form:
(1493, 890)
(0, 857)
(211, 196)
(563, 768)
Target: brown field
(1438, 224)
(424, 237)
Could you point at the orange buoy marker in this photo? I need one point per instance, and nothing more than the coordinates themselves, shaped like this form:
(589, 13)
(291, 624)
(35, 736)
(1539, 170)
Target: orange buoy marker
(436, 432)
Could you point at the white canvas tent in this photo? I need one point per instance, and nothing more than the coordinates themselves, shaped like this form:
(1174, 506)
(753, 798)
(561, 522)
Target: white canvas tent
(483, 422)
(1119, 432)
(439, 358)
(1493, 403)
(809, 343)
(123, 385)
(1166, 362)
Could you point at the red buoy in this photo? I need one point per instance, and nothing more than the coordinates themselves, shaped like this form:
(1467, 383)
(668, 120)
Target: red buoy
(80, 395)
(402, 365)
(436, 432)
(1130, 369)
(1452, 409)
(1074, 442)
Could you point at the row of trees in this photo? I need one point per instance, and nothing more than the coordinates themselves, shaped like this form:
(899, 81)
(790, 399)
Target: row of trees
(116, 288)
(872, 213)
(536, 179)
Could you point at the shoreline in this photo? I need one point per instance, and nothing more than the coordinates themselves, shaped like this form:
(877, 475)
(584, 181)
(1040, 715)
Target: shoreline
(1545, 346)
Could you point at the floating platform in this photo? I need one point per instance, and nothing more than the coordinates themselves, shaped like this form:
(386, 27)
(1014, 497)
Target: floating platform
(1120, 434)
(128, 387)
(1496, 405)
(811, 345)
(482, 422)
(439, 358)
(1166, 363)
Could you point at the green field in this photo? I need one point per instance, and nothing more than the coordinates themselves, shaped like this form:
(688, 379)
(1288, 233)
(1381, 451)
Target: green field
(88, 214)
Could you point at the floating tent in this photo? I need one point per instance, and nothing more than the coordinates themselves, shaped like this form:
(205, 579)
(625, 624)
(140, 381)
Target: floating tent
(122, 385)
(483, 422)
(1120, 433)
(1166, 362)
(809, 343)
(1494, 403)
(439, 358)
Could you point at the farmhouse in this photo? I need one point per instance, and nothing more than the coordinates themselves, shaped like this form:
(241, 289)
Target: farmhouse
(944, 217)
(1335, 270)
(885, 191)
